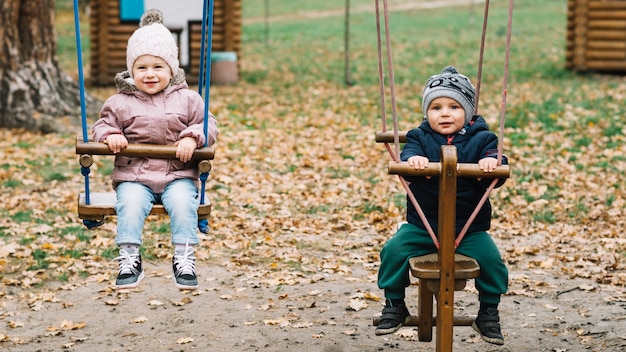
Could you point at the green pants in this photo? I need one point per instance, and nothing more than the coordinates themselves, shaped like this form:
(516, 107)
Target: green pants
(411, 241)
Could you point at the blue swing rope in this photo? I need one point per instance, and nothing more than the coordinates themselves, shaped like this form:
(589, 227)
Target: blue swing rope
(205, 61)
(203, 79)
(81, 79)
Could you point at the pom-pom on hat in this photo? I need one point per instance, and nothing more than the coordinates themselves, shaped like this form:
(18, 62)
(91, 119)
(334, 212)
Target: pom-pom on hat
(450, 83)
(152, 38)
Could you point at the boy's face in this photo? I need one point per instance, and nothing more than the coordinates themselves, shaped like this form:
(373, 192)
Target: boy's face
(151, 74)
(445, 116)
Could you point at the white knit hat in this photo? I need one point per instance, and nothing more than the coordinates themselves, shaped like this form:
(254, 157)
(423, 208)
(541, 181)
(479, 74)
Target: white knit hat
(152, 38)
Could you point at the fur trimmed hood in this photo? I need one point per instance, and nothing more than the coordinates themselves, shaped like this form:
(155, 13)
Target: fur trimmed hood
(125, 84)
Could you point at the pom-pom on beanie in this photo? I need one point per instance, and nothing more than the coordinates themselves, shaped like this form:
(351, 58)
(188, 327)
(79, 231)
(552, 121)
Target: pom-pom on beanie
(451, 84)
(152, 38)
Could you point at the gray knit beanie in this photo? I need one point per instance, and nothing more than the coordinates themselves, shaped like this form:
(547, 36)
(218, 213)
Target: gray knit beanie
(152, 38)
(451, 84)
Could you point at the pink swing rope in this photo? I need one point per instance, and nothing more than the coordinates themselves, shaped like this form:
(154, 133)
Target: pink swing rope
(396, 139)
(396, 156)
(505, 80)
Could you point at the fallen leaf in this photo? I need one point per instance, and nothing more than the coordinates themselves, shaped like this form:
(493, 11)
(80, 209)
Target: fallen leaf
(140, 319)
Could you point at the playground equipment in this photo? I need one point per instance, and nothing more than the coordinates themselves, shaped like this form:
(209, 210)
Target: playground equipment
(93, 207)
(440, 274)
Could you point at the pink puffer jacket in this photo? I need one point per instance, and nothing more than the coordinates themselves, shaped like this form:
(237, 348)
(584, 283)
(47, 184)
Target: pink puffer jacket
(162, 118)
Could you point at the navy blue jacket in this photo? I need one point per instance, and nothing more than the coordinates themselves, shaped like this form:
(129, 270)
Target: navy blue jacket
(473, 143)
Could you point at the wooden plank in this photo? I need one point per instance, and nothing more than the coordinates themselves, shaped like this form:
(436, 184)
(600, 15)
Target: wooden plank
(607, 5)
(606, 54)
(586, 42)
(608, 15)
(434, 169)
(141, 150)
(607, 45)
(606, 24)
(103, 204)
(447, 234)
(416, 321)
(388, 136)
(598, 34)
(609, 65)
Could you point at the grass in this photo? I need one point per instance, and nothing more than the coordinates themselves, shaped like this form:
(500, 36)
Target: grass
(560, 126)
(308, 51)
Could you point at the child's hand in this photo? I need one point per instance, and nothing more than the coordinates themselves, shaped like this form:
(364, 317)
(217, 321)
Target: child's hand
(488, 164)
(116, 142)
(418, 162)
(185, 148)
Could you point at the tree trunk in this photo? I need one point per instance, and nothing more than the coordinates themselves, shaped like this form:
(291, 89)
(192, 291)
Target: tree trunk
(34, 93)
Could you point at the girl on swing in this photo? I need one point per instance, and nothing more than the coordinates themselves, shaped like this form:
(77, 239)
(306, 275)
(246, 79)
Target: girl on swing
(448, 104)
(154, 105)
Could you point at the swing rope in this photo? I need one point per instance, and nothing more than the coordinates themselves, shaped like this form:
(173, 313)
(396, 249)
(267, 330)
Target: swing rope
(481, 55)
(505, 80)
(205, 69)
(395, 156)
(204, 79)
(83, 111)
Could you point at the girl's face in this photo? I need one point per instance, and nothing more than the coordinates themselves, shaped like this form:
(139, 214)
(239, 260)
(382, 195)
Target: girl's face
(445, 116)
(151, 74)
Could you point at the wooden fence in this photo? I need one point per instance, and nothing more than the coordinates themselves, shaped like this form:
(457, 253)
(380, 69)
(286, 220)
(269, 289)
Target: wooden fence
(596, 35)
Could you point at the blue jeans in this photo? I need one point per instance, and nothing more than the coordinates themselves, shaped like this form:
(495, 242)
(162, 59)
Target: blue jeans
(134, 202)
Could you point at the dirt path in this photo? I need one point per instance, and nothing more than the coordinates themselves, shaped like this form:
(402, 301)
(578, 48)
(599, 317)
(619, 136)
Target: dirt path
(236, 310)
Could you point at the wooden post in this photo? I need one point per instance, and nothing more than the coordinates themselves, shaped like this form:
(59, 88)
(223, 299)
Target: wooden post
(447, 232)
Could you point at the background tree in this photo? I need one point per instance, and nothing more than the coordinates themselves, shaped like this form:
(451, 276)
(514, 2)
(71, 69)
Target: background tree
(34, 92)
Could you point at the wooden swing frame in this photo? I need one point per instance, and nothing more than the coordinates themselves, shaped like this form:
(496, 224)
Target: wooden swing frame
(93, 207)
(442, 273)
(103, 204)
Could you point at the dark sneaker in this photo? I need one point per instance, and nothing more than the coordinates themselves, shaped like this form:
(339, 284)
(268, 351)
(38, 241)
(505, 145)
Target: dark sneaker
(184, 268)
(130, 270)
(487, 324)
(392, 319)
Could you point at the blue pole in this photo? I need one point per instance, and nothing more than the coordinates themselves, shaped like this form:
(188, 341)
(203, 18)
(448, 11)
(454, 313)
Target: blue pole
(81, 75)
(202, 48)
(204, 78)
(81, 81)
(207, 72)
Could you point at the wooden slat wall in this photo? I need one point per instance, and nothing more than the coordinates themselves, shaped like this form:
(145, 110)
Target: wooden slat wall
(226, 34)
(109, 38)
(596, 35)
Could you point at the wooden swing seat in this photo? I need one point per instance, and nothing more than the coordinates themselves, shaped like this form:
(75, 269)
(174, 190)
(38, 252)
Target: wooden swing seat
(103, 203)
(426, 269)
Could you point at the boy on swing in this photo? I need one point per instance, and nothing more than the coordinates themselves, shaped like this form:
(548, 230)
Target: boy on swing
(154, 105)
(448, 105)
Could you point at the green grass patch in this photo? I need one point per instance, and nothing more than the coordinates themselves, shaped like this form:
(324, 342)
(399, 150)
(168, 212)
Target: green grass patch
(12, 183)
(109, 253)
(40, 260)
(23, 216)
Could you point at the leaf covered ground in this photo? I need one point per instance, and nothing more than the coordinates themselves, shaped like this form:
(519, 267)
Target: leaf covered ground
(301, 197)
